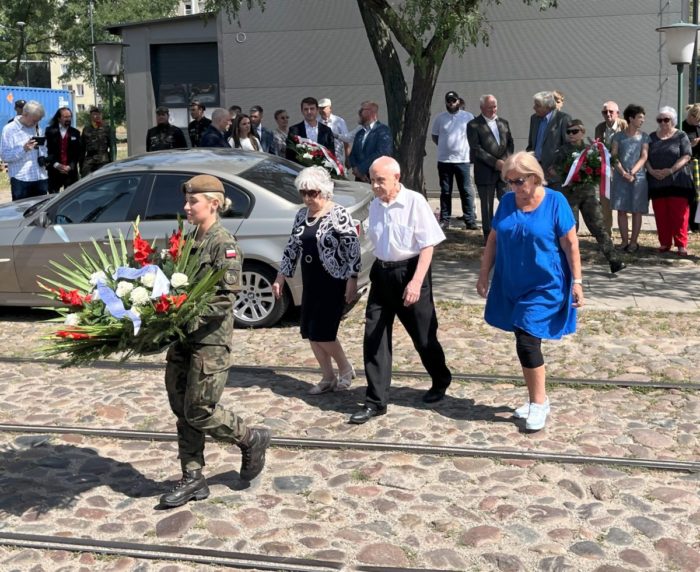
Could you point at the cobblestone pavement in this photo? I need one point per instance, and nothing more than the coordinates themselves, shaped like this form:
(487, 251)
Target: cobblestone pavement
(372, 508)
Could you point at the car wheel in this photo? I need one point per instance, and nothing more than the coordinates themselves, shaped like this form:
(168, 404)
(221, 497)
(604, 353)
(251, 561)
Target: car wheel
(256, 306)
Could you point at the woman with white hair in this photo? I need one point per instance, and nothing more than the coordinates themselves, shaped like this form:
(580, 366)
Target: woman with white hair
(325, 239)
(671, 187)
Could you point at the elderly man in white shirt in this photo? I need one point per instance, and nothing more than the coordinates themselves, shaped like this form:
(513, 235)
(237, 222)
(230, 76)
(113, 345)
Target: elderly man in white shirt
(337, 125)
(23, 148)
(403, 232)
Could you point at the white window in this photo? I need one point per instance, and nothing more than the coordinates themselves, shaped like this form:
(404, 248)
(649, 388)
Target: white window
(80, 90)
(188, 8)
(64, 69)
(81, 107)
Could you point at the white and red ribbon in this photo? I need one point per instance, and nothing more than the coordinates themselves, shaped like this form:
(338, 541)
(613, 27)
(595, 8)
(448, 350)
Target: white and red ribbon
(330, 157)
(605, 171)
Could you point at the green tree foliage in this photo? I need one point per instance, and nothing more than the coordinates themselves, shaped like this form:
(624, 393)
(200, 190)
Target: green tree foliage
(62, 28)
(426, 30)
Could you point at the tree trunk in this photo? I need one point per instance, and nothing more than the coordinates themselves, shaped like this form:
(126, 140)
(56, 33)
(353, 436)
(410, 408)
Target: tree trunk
(411, 151)
(389, 64)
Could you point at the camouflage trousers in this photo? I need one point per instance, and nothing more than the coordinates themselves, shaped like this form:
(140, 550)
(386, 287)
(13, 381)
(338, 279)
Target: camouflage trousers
(195, 377)
(585, 200)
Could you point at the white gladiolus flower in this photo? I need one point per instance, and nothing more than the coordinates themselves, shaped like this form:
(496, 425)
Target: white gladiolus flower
(123, 288)
(72, 320)
(306, 155)
(148, 280)
(139, 296)
(97, 276)
(178, 280)
(95, 295)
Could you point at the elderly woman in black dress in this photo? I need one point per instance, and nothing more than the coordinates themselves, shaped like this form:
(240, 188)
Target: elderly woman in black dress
(325, 240)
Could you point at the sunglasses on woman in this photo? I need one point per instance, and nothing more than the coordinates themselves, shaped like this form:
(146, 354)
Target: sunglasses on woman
(663, 119)
(572, 131)
(516, 182)
(310, 194)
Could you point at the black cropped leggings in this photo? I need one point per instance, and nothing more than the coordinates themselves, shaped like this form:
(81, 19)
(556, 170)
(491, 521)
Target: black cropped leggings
(529, 349)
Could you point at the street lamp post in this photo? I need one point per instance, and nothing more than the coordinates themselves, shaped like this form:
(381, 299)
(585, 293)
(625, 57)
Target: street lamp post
(680, 47)
(109, 59)
(23, 45)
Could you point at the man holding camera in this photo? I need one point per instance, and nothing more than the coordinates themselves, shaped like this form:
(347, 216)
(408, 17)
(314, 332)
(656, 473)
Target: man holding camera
(23, 148)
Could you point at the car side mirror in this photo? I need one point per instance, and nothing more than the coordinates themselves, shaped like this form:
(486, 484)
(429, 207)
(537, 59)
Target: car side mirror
(42, 220)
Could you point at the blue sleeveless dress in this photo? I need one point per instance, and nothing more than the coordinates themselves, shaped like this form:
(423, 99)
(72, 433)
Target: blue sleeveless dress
(531, 285)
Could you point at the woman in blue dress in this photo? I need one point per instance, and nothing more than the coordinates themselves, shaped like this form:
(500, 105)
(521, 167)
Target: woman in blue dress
(537, 284)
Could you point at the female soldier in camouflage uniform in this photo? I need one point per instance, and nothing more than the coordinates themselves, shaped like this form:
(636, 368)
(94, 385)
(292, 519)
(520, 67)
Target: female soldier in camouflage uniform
(197, 369)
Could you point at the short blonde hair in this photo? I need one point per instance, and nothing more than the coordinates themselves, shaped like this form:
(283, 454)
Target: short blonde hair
(693, 110)
(524, 164)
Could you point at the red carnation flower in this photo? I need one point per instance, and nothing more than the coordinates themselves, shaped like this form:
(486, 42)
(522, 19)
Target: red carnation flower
(176, 242)
(162, 305)
(588, 171)
(142, 250)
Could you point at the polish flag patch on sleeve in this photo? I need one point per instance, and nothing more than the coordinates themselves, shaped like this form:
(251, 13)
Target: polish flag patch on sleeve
(231, 253)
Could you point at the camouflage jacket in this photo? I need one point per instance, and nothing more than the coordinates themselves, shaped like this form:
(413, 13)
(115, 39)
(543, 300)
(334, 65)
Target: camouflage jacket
(96, 144)
(218, 250)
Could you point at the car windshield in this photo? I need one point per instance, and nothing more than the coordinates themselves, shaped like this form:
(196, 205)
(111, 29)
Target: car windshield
(275, 176)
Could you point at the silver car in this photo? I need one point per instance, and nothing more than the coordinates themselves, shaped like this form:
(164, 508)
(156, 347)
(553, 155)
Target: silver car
(260, 186)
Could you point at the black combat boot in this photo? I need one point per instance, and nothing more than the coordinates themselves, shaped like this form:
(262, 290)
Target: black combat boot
(253, 447)
(192, 486)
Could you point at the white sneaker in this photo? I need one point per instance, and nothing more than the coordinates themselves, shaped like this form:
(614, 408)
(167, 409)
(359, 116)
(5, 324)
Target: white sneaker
(537, 417)
(345, 379)
(323, 386)
(524, 410)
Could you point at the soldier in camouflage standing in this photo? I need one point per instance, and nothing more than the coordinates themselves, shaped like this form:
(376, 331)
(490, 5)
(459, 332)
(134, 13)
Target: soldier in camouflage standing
(584, 197)
(197, 368)
(96, 143)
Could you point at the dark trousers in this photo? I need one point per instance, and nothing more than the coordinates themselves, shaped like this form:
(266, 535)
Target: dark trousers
(195, 379)
(462, 173)
(385, 302)
(487, 194)
(58, 180)
(585, 200)
(26, 189)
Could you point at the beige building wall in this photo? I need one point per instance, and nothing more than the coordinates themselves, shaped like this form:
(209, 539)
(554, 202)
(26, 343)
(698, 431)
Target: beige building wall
(81, 88)
(591, 50)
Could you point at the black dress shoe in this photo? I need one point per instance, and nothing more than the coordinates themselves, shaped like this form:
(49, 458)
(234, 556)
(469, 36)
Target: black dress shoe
(616, 266)
(433, 395)
(366, 414)
(471, 225)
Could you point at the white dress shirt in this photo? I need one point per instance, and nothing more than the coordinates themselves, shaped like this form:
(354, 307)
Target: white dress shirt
(493, 126)
(400, 229)
(339, 128)
(311, 132)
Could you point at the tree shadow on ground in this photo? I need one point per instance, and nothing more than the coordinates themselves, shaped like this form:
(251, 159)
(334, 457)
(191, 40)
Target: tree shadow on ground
(39, 476)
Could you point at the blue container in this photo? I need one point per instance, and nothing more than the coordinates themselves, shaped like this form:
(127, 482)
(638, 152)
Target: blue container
(51, 99)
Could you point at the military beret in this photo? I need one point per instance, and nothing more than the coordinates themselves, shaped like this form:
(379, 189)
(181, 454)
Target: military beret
(162, 110)
(203, 184)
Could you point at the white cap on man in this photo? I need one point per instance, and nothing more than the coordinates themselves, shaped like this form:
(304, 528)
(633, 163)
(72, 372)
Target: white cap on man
(325, 102)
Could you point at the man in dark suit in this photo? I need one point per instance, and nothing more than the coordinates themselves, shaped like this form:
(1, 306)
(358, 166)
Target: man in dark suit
(547, 134)
(371, 142)
(490, 143)
(63, 151)
(310, 128)
(264, 135)
(199, 123)
(215, 135)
